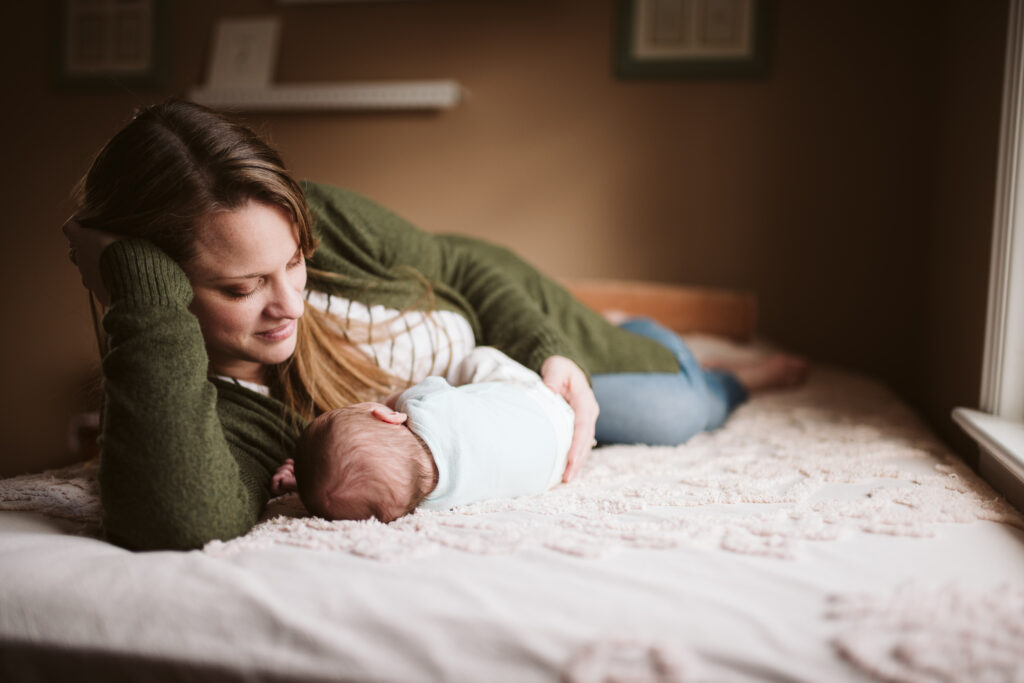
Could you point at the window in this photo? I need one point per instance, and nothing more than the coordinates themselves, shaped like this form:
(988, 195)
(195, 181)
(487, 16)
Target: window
(999, 425)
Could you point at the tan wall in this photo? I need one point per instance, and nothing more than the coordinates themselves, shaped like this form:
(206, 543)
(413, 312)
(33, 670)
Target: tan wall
(842, 189)
(969, 54)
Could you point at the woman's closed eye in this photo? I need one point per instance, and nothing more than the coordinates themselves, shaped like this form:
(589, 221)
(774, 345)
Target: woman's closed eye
(240, 293)
(245, 290)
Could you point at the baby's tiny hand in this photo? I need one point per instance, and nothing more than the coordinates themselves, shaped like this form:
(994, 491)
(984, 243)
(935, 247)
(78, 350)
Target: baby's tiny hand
(284, 479)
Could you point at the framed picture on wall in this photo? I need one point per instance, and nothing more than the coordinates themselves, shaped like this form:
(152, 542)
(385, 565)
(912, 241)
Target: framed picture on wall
(692, 38)
(110, 44)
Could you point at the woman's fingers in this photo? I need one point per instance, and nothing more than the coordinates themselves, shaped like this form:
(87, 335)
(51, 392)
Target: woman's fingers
(582, 443)
(566, 378)
(84, 248)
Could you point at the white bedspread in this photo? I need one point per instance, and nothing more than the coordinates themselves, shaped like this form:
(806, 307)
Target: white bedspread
(822, 535)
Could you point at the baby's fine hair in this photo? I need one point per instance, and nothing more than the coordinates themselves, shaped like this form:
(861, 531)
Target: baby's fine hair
(349, 465)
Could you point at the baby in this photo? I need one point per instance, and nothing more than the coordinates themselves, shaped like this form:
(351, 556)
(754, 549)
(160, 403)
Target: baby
(492, 430)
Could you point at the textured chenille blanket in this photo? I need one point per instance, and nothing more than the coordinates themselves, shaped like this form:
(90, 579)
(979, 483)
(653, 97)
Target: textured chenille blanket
(822, 534)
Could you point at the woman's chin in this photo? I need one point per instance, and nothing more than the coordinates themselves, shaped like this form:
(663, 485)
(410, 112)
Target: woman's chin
(280, 352)
(249, 361)
(267, 356)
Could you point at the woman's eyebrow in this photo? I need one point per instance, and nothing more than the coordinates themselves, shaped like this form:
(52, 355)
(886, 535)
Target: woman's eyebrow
(252, 276)
(249, 276)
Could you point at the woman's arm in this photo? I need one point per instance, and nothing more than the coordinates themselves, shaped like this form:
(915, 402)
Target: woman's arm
(503, 297)
(168, 477)
(532, 319)
(512, 305)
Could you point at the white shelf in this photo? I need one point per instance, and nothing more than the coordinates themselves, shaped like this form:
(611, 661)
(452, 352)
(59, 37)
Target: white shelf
(382, 95)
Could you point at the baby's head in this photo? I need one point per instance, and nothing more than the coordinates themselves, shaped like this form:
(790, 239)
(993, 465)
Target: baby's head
(362, 461)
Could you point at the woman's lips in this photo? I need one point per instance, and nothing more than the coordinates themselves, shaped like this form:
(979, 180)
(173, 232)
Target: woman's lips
(278, 333)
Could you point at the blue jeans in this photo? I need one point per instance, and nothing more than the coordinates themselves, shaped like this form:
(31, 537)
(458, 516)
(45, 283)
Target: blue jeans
(663, 409)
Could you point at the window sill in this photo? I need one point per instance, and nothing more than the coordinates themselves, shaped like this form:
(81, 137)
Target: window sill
(1002, 441)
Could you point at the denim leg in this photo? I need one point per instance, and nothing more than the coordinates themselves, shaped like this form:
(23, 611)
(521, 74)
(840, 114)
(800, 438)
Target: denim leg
(663, 408)
(645, 327)
(727, 392)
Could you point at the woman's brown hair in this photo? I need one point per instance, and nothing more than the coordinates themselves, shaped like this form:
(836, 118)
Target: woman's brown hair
(177, 162)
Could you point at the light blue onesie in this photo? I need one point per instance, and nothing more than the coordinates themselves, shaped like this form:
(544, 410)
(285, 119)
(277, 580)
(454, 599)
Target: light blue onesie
(504, 434)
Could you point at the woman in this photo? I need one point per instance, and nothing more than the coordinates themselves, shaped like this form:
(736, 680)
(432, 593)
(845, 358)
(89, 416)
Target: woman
(231, 324)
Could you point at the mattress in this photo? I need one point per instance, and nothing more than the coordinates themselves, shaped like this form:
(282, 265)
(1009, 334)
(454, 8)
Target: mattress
(822, 534)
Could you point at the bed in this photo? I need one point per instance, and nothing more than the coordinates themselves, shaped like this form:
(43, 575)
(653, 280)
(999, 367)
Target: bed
(822, 535)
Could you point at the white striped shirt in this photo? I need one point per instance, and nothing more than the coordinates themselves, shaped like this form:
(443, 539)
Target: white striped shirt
(411, 346)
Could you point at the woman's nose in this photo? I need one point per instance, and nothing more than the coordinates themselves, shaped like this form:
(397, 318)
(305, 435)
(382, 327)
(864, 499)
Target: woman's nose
(287, 301)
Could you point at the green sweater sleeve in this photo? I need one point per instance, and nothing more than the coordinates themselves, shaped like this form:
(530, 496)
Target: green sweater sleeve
(170, 475)
(509, 303)
(364, 241)
(517, 307)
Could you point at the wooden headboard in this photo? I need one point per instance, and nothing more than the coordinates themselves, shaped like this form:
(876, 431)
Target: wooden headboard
(721, 312)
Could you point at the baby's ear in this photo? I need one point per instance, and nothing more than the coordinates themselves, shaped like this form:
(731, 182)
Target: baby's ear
(385, 414)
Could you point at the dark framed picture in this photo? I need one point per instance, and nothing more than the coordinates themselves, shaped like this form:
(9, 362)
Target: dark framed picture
(692, 38)
(111, 44)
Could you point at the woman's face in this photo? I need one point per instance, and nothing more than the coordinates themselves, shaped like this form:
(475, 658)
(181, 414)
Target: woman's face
(248, 278)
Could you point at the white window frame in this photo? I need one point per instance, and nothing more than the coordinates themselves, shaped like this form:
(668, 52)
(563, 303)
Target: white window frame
(999, 425)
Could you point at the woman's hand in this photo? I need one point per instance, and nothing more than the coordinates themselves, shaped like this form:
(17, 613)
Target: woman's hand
(86, 245)
(566, 379)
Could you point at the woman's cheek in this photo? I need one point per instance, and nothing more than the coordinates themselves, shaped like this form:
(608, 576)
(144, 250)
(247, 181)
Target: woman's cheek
(234, 317)
(299, 281)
